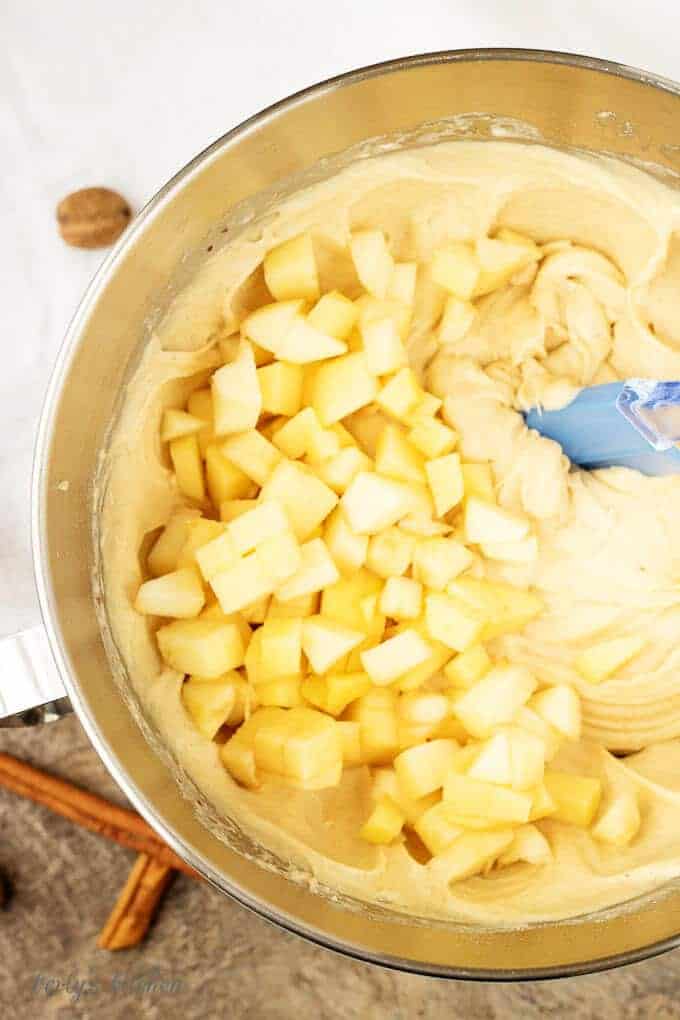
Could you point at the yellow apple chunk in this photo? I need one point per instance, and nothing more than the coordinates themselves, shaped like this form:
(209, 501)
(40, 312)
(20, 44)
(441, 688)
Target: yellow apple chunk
(495, 699)
(179, 594)
(456, 320)
(603, 660)
(487, 523)
(205, 647)
(225, 480)
(185, 455)
(438, 560)
(305, 499)
(456, 268)
(325, 641)
(290, 270)
(401, 598)
(334, 314)
(619, 821)
(560, 707)
(445, 479)
(528, 845)
(372, 261)
(468, 667)
(423, 769)
(237, 401)
(384, 823)
(342, 386)
(334, 692)
(253, 454)
(316, 571)
(495, 804)
(373, 503)
(210, 703)
(394, 657)
(390, 552)
(478, 481)
(164, 554)
(176, 424)
(452, 622)
(576, 798)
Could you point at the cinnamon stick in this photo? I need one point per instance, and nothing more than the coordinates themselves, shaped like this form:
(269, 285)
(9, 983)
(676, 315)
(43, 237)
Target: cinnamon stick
(134, 911)
(86, 809)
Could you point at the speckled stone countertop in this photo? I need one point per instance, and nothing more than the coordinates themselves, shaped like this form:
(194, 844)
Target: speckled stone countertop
(207, 957)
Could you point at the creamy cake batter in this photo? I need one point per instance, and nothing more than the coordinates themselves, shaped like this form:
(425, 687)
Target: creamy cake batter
(604, 305)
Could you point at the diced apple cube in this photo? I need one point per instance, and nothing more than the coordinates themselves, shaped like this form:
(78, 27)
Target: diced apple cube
(325, 641)
(402, 285)
(426, 408)
(244, 582)
(371, 309)
(452, 622)
(209, 703)
(304, 744)
(338, 472)
(513, 757)
(478, 481)
(529, 845)
(225, 480)
(372, 261)
(394, 657)
(230, 509)
(437, 561)
(603, 660)
(468, 667)
(456, 268)
(373, 503)
(619, 821)
(423, 526)
(186, 460)
(164, 554)
(305, 605)
(390, 552)
(296, 436)
(317, 570)
(542, 804)
(397, 458)
(473, 853)
(306, 500)
(507, 608)
(179, 594)
(341, 387)
(280, 557)
(200, 531)
(253, 454)
(495, 699)
(290, 270)
(334, 314)
(485, 522)
(375, 712)
(176, 424)
(439, 655)
(350, 739)
(264, 521)
(217, 555)
(577, 798)
(280, 649)
(445, 479)
(204, 647)
(384, 823)
(269, 323)
(342, 601)
(401, 598)
(401, 394)
(456, 320)
(532, 722)
(284, 692)
(432, 438)
(237, 401)
(499, 260)
(281, 388)
(302, 344)
(334, 692)
(467, 796)
(560, 707)
(199, 405)
(382, 346)
(238, 757)
(347, 549)
(423, 769)
(436, 829)
(524, 551)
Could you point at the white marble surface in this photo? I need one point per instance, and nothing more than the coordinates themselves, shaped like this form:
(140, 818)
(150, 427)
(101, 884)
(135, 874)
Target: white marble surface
(123, 94)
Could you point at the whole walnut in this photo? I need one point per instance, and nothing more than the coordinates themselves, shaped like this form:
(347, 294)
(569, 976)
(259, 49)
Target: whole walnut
(92, 217)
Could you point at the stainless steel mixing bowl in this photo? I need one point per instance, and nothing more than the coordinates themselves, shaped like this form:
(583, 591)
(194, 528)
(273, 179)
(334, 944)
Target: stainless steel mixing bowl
(565, 100)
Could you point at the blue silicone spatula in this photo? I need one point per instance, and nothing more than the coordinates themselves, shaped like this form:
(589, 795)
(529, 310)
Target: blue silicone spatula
(634, 424)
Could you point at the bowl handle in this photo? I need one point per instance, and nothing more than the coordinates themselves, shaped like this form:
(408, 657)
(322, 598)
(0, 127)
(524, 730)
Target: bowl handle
(31, 690)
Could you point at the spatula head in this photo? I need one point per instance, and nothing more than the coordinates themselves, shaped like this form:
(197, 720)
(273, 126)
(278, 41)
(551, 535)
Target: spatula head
(635, 424)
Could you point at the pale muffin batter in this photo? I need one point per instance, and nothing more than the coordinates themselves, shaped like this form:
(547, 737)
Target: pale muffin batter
(605, 305)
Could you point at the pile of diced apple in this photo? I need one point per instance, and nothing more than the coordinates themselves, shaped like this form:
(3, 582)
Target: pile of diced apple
(322, 587)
